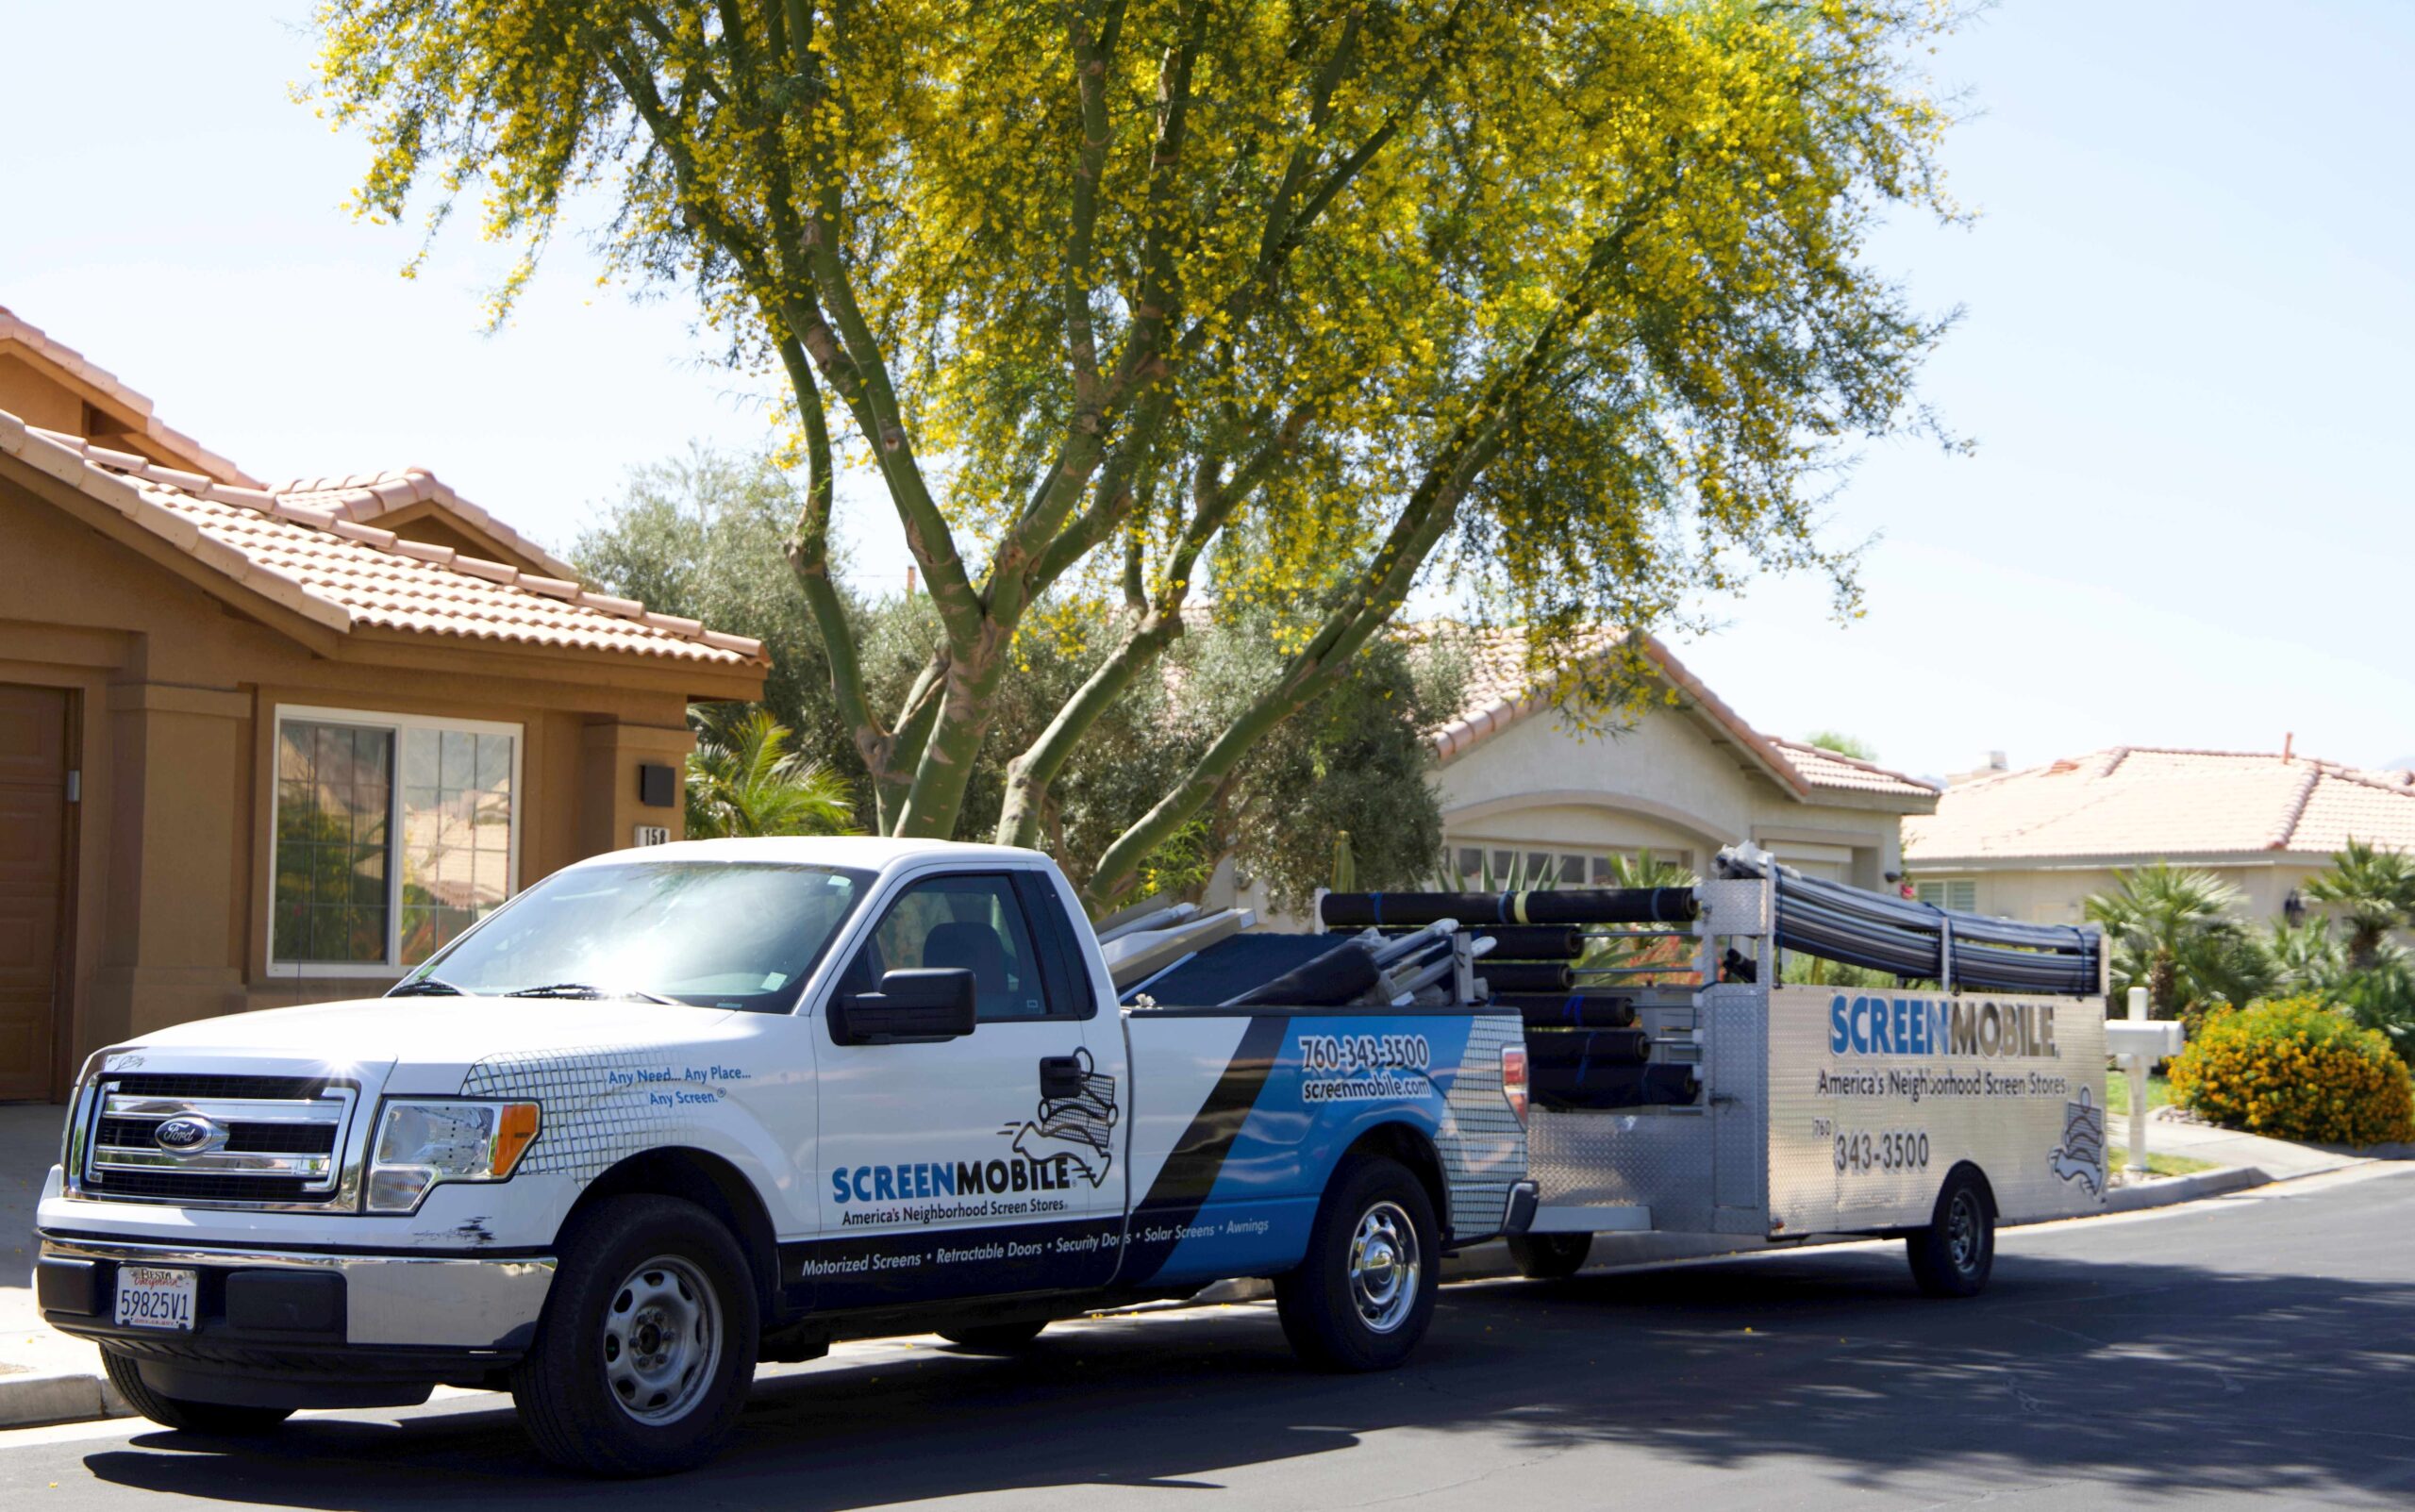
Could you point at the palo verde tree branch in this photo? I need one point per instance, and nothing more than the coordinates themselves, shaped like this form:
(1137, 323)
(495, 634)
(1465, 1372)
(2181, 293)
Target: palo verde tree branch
(1473, 442)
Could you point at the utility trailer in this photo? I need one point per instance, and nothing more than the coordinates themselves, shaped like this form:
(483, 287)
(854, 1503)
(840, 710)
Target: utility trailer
(1679, 1086)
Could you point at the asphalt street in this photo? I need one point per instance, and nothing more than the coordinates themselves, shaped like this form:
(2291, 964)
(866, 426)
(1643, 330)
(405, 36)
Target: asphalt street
(2258, 1350)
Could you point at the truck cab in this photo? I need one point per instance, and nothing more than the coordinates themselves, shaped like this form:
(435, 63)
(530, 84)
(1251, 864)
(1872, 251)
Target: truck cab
(676, 1109)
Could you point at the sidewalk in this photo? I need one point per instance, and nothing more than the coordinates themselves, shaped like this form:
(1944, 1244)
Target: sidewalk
(2276, 1160)
(44, 1375)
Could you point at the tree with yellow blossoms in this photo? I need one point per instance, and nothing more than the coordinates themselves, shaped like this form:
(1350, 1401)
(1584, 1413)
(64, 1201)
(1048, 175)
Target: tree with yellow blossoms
(1557, 308)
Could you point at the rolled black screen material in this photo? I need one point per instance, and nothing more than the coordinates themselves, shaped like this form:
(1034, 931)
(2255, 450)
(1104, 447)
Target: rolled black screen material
(1534, 942)
(1337, 976)
(1524, 976)
(1569, 1010)
(1480, 911)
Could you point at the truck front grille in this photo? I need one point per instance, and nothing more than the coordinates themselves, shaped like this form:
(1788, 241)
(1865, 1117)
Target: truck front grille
(239, 1142)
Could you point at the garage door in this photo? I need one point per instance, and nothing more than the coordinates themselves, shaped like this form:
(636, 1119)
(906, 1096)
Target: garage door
(33, 869)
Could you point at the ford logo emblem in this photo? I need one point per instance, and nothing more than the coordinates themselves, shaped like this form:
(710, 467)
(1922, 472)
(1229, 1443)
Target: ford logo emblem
(183, 1135)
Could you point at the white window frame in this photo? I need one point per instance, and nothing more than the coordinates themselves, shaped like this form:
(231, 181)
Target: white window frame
(1945, 887)
(312, 713)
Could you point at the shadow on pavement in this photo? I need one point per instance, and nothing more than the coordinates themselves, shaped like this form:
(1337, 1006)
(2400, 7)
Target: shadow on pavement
(2169, 1378)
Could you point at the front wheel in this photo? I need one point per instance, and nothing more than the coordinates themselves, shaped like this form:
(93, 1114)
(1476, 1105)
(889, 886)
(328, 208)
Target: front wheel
(182, 1414)
(1364, 1295)
(1549, 1256)
(1952, 1256)
(647, 1348)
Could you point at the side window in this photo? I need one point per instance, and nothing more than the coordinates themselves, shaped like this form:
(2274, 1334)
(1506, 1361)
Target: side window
(974, 924)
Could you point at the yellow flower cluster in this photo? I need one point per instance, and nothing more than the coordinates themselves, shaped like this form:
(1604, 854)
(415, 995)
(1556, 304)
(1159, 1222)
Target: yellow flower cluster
(2295, 1069)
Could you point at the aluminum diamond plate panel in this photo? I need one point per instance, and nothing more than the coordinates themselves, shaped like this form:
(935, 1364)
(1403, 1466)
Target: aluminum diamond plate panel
(1483, 1149)
(1659, 1158)
(1736, 1029)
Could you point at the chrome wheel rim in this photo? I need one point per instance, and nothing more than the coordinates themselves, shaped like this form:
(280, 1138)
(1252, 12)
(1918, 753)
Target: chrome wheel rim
(662, 1340)
(1384, 1268)
(1962, 1232)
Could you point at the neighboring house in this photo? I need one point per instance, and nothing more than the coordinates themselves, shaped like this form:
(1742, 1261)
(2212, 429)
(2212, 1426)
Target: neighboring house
(2034, 844)
(263, 744)
(1518, 780)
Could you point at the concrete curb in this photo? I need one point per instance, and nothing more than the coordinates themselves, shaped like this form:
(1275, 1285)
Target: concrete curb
(43, 1397)
(75, 1396)
(2167, 1190)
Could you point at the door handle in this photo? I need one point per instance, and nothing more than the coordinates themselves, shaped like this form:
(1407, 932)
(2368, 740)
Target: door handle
(1060, 1078)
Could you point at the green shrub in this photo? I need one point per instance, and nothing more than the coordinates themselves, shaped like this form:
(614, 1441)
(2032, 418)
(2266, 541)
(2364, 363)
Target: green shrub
(2294, 1069)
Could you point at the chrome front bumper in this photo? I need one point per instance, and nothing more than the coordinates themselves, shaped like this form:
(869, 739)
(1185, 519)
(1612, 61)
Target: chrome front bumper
(439, 1302)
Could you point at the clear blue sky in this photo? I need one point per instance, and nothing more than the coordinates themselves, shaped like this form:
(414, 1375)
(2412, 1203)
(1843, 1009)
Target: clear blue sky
(2190, 305)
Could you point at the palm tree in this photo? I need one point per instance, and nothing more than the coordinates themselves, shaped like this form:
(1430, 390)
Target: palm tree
(742, 779)
(2176, 933)
(2305, 957)
(2374, 891)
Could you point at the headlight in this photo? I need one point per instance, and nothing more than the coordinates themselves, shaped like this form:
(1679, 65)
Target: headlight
(421, 1143)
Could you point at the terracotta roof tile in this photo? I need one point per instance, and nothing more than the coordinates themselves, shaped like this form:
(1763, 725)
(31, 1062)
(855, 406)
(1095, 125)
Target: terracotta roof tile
(17, 330)
(321, 563)
(365, 496)
(1823, 768)
(2149, 801)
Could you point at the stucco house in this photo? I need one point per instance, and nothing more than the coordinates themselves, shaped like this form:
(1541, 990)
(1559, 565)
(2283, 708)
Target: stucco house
(2033, 844)
(262, 743)
(1519, 779)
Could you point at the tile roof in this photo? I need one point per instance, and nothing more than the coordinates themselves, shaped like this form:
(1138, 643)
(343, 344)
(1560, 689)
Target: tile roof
(2150, 802)
(1502, 690)
(363, 497)
(15, 329)
(1823, 768)
(341, 573)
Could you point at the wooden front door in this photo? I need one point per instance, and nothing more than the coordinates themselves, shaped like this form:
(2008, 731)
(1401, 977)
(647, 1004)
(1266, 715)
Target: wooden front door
(33, 877)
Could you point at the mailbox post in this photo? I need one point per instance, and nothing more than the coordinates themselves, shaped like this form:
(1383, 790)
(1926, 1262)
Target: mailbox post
(2140, 1042)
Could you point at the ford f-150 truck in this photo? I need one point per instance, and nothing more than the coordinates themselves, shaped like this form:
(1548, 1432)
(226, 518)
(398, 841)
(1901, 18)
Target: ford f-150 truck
(674, 1110)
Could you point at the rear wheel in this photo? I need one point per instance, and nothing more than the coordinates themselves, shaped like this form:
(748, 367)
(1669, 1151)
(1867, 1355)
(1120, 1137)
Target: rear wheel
(647, 1348)
(182, 1414)
(1952, 1256)
(994, 1338)
(1364, 1295)
(1550, 1257)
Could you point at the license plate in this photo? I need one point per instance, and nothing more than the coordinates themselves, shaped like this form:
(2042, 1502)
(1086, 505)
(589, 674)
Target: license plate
(150, 1297)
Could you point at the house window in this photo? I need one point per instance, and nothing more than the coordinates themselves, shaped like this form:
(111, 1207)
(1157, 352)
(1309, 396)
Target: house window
(1546, 869)
(393, 834)
(1960, 895)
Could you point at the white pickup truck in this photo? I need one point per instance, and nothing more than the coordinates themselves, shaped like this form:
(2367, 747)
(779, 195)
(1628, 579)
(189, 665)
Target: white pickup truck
(676, 1110)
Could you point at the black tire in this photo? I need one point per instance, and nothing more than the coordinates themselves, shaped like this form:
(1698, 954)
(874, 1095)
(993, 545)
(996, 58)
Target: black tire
(646, 1350)
(994, 1338)
(1953, 1255)
(1550, 1257)
(1368, 1314)
(186, 1415)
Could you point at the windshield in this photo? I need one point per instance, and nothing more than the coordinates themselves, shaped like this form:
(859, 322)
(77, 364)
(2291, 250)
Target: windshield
(722, 934)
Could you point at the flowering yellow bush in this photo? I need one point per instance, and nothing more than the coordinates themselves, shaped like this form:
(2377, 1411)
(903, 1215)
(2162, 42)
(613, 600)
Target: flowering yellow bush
(2293, 1069)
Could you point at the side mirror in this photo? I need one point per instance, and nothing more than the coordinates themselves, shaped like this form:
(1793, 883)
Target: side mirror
(922, 1002)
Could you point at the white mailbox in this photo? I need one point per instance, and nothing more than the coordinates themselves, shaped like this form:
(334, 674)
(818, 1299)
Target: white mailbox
(2154, 1039)
(2140, 1042)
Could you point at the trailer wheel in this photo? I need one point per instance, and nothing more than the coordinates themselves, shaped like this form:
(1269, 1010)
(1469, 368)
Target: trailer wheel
(1550, 1257)
(994, 1338)
(1952, 1256)
(1364, 1295)
(182, 1415)
(642, 1361)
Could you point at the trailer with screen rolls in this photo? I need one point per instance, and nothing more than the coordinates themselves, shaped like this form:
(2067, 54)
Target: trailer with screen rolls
(1678, 1085)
